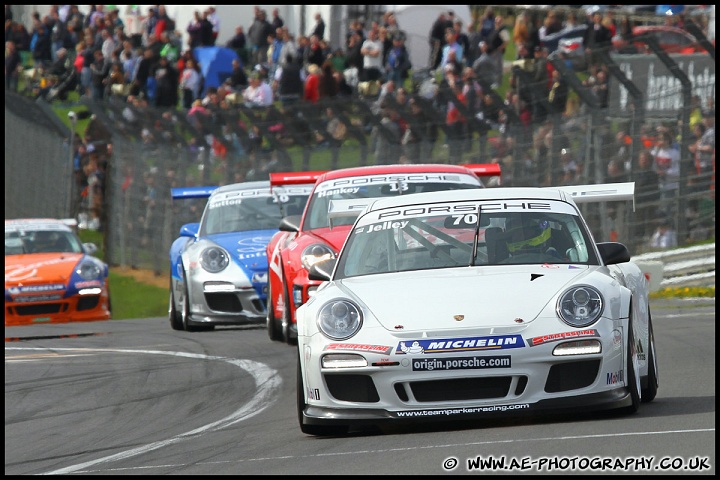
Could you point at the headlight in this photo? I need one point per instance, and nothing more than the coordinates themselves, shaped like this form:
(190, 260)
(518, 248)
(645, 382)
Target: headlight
(580, 306)
(89, 270)
(214, 259)
(339, 319)
(314, 253)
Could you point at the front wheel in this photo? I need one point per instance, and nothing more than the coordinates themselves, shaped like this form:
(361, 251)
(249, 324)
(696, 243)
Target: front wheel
(633, 372)
(186, 312)
(652, 382)
(274, 324)
(176, 321)
(317, 430)
(290, 338)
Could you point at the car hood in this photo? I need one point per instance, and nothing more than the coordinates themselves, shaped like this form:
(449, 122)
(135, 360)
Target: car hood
(247, 249)
(47, 269)
(483, 296)
(335, 237)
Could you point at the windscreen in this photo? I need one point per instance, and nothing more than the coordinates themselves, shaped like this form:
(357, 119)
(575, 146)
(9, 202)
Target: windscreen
(375, 186)
(245, 210)
(434, 236)
(18, 242)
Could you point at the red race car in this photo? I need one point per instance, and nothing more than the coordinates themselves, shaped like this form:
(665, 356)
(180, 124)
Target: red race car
(316, 235)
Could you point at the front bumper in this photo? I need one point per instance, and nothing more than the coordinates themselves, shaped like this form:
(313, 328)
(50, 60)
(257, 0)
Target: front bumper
(231, 305)
(76, 308)
(505, 379)
(617, 398)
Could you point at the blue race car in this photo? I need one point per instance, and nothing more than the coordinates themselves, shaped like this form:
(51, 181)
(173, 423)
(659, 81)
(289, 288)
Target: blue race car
(219, 266)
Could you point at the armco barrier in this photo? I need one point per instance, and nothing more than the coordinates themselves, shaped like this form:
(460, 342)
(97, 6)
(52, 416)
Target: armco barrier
(682, 267)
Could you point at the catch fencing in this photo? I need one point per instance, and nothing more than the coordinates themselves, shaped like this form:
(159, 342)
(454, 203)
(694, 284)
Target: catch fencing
(142, 152)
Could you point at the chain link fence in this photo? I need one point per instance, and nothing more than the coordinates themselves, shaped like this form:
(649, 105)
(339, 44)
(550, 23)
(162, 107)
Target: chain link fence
(141, 152)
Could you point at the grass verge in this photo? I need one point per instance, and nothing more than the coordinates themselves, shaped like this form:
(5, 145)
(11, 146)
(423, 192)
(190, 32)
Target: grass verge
(134, 299)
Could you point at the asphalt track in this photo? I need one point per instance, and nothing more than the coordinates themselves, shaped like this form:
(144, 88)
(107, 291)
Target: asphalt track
(135, 397)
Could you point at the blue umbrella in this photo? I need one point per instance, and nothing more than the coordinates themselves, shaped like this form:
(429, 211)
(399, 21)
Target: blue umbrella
(669, 9)
(215, 64)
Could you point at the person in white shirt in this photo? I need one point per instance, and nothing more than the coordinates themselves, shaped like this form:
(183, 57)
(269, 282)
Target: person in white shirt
(664, 236)
(667, 165)
(190, 81)
(215, 20)
(372, 52)
(452, 45)
(258, 93)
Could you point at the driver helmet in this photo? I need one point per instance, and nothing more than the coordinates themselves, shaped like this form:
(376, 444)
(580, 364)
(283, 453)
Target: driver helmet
(530, 235)
(44, 241)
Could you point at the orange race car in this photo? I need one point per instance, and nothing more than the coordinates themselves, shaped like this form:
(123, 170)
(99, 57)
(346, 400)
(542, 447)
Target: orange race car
(51, 276)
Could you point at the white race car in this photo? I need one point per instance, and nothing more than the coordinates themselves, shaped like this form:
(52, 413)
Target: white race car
(474, 304)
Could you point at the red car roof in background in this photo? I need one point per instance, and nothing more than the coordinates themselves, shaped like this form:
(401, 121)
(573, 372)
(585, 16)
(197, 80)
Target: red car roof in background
(478, 169)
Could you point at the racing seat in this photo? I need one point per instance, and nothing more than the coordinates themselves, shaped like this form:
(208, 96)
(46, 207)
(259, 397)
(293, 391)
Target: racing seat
(293, 210)
(496, 244)
(62, 245)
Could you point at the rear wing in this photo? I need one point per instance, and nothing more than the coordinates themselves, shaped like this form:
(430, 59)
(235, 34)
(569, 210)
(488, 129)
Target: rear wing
(484, 169)
(192, 192)
(294, 178)
(347, 208)
(602, 192)
(70, 222)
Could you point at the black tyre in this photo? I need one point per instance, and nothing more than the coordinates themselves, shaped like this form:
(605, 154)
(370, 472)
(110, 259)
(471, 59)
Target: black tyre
(176, 321)
(290, 337)
(186, 313)
(317, 430)
(185, 306)
(274, 324)
(633, 372)
(651, 382)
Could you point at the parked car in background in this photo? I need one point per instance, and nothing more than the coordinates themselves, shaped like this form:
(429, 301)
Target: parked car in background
(219, 265)
(51, 276)
(671, 39)
(317, 234)
(571, 40)
(568, 44)
(474, 304)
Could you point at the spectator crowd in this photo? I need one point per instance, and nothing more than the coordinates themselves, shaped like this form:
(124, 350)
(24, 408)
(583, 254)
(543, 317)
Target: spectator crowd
(142, 61)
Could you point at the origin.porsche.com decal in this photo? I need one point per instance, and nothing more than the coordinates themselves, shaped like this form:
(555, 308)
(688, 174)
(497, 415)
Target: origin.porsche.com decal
(556, 337)
(453, 345)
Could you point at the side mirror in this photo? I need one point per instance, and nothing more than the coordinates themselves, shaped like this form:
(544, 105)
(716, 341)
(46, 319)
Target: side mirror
(291, 223)
(90, 248)
(613, 253)
(190, 230)
(322, 271)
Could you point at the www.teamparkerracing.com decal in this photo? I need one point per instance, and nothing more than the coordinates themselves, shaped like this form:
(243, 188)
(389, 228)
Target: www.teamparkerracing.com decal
(460, 411)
